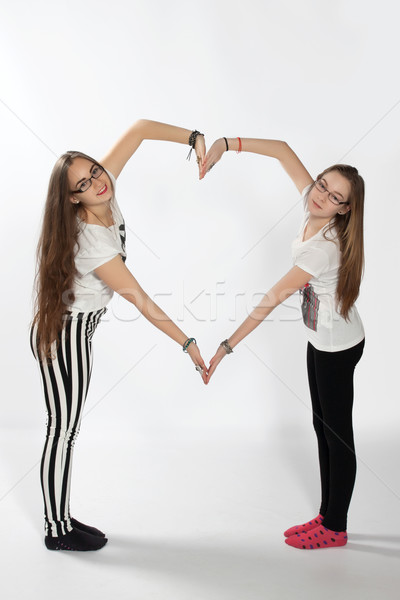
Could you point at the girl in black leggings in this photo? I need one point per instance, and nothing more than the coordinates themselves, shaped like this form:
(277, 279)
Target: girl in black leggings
(328, 258)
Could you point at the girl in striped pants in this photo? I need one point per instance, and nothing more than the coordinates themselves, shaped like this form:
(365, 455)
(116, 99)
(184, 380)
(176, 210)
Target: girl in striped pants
(81, 262)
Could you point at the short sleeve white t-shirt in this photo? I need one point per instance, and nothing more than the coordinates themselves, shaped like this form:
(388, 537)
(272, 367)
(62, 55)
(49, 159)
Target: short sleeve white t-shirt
(326, 329)
(96, 245)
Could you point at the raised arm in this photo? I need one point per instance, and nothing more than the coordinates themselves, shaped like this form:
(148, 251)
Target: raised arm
(294, 280)
(144, 129)
(118, 277)
(273, 148)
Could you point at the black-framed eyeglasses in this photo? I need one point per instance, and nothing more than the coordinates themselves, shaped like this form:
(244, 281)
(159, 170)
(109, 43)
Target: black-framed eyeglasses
(85, 185)
(321, 187)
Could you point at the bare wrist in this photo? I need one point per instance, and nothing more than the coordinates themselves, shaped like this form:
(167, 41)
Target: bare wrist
(235, 144)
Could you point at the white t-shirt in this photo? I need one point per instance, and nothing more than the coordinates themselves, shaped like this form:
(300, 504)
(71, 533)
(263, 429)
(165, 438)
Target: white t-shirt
(96, 246)
(326, 328)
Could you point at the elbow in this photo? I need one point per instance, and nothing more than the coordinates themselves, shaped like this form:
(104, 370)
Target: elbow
(141, 126)
(137, 297)
(140, 123)
(285, 151)
(285, 147)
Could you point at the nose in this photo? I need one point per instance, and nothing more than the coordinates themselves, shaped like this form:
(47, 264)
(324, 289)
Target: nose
(322, 196)
(98, 183)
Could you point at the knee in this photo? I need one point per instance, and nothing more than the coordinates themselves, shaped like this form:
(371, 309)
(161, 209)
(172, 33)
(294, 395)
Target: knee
(59, 434)
(318, 425)
(340, 439)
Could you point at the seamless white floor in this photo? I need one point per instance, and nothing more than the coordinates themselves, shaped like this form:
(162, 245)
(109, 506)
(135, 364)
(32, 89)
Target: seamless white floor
(198, 518)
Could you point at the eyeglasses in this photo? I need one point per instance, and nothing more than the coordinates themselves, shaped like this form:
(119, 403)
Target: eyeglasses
(321, 187)
(85, 185)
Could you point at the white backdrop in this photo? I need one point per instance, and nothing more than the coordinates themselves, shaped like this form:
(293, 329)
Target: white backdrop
(323, 76)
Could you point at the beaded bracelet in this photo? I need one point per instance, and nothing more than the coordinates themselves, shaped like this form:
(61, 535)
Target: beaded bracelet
(192, 141)
(226, 346)
(187, 344)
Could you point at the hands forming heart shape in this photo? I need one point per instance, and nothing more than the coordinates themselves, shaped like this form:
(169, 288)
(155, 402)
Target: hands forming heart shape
(206, 373)
(206, 161)
(213, 155)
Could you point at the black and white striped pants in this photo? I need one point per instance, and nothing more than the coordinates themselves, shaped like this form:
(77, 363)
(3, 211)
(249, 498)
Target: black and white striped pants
(65, 382)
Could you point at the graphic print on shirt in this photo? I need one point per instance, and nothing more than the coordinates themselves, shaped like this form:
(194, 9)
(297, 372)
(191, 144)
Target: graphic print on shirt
(122, 235)
(310, 306)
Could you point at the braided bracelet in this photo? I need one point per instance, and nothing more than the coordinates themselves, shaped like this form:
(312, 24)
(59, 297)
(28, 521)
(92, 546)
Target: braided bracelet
(226, 346)
(192, 141)
(187, 344)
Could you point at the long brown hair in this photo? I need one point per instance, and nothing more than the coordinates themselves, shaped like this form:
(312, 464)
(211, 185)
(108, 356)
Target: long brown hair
(55, 271)
(349, 229)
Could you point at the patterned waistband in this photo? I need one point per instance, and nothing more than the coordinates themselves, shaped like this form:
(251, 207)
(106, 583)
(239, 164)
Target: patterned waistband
(77, 315)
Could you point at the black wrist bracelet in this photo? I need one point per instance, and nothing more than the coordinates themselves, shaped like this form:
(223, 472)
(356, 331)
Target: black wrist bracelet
(192, 141)
(226, 144)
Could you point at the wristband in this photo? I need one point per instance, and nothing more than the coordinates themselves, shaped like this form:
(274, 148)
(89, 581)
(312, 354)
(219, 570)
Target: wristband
(192, 141)
(240, 146)
(187, 344)
(226, 144)
(226, 346)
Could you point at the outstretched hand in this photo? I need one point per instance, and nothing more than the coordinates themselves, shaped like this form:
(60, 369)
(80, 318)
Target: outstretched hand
(196, 357)
(200, 149)
(213, 156)
(214, 362)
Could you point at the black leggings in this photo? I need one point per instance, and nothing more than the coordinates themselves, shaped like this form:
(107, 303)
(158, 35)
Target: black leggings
(330, 376)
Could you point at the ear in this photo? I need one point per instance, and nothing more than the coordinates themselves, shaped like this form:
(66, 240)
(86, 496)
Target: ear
(344, 210)
(73, 199)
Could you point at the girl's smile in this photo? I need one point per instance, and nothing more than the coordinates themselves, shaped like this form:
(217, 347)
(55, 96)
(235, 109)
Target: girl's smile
(103, 190)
